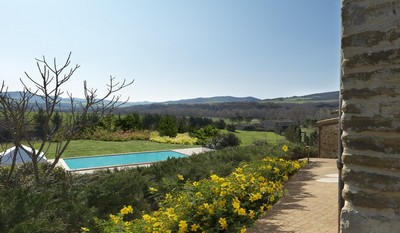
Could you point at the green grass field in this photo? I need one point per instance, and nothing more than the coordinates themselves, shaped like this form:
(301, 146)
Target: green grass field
(91, 147)
(79, 148)
(247, 137)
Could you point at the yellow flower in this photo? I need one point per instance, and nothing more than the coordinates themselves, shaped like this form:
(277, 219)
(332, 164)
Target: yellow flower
(241, 211)
(180, 177)
(285, 148)
(171, 214)
(222, 203)
(153, 190)
(114, 218)
(198, 194)
(195, 227)
(255, 197)
(146, 218)
(85, 229)
(127, 223)
(285, 178)
(214, 178)
(271, 198)
(276, 170)
(243, 230)
(182, 226)
(195, 184)
(209, 208)
(126, 210)
(223, 224)
(236, 203)
(251, 214)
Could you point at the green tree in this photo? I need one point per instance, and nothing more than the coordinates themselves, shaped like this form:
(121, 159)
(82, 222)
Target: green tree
(56, 121)
(293, 133)
(168, 126)
(129, 122)
(40, 121)
(150, 121)
(231, 128)
(220, 124)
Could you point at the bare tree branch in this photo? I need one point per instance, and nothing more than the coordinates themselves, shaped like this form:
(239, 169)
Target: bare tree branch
(17, 113)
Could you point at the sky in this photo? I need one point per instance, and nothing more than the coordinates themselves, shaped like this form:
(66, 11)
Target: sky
(177, 49)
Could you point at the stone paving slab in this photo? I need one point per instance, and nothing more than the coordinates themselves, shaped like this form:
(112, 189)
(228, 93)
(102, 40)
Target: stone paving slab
(310, 205)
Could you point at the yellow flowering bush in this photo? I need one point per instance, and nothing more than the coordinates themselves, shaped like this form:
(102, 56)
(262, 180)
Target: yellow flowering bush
(181, 138)
(216, 204)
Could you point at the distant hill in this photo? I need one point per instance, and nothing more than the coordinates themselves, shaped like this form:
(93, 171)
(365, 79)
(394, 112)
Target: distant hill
(318, 98)
(312, 98)
(296, 108)
(211, 100)
(332, 96)
(65, 103)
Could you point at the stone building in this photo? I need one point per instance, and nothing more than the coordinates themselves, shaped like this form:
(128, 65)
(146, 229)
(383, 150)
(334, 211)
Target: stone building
(328, 138)
(370, 120)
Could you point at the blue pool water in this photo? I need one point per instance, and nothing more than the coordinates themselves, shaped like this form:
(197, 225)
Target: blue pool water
(120, 159)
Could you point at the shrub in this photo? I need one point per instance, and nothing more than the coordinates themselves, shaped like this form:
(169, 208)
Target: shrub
(220, 124)
(104, 135)
(223, 140)
(231, 128)
(64, 202)
(205, 133)
(215, 204)
(55, 205)
(182, 138)
(299, 151)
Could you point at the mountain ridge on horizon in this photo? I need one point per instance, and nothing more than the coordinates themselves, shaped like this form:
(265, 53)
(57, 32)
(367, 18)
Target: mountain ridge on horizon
(323, 96)
(332, 95)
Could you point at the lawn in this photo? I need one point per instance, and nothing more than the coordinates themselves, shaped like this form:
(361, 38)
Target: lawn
(248, 137)
(91, 147)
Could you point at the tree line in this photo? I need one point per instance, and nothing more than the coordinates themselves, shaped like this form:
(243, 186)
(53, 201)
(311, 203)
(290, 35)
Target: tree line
(246, 110)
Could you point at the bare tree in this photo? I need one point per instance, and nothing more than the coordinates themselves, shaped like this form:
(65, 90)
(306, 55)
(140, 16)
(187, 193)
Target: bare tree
(17, 112)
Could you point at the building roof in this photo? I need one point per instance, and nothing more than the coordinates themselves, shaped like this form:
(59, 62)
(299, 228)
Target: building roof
(22, 156)
(330, 121)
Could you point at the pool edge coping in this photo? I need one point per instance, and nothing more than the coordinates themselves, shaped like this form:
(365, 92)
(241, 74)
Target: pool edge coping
(66, 167)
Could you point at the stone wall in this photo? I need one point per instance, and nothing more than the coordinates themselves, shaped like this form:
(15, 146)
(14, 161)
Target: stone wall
(371, 115)
(328, 138)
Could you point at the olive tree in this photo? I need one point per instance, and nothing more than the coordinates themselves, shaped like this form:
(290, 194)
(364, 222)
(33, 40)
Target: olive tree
(16, 112)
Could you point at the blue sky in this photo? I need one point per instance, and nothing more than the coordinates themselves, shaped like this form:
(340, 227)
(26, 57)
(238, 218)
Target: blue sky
(177, 49)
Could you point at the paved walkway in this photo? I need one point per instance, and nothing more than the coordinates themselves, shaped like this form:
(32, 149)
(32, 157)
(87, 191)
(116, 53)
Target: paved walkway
(310, 206)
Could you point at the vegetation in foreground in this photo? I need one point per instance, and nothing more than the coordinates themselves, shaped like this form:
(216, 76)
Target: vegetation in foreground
(64, 202)
(214, 204)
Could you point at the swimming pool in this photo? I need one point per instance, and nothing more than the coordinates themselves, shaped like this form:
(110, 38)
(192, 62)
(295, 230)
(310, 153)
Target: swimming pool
(103, 161)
